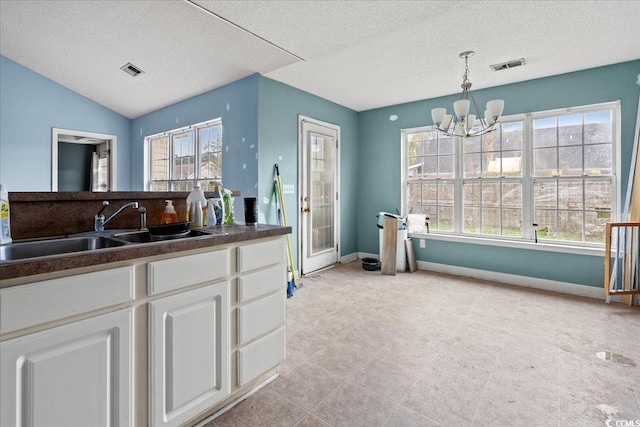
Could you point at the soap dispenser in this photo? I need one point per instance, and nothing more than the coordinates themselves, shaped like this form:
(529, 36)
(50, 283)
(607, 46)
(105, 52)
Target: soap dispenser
(169, 216)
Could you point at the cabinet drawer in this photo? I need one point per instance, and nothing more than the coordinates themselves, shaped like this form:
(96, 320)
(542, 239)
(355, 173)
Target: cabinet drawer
(260, 356)
(261, 283)
(41, 302)
(260, 255)
(258, 317)
(180, 272)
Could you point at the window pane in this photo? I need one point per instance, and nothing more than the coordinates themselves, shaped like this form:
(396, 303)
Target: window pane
(414, 195)
(430, 147)
(570, 159)
(159, 159)
(491, 221)
(491, 194)
(430, 193)
(597, 127)
(446, 193)
(544, 132)
(512, 222)
(546, 220)
(414, 144)
(512, 194)
(471, 145)
(472, 165)
(570, 195)
(544, 194)
(512, 135)
(446, 145)
(210, 152)
(184, 156)
(595, 227)
(471, 220)
(598, 195)
(430, 167)
(570, 225)
(597, 159)
(445, 218)
(570, 130)
(159, 186)
(545, 162)
(472, 194)
(445, 167)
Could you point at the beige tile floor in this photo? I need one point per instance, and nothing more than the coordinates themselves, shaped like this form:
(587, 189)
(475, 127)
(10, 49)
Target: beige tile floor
(424, 349)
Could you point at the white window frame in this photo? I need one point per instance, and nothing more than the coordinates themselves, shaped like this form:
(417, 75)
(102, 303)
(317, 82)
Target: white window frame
(528, 239)
(195, 128)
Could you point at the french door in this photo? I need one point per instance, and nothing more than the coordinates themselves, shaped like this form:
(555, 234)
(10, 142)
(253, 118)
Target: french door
(319, 202)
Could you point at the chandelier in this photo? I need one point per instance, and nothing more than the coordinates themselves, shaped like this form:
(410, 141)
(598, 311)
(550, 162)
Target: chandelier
(465, 124)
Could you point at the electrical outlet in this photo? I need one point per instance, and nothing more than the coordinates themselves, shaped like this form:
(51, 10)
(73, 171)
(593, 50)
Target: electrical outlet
(422, 243)
(288, 189)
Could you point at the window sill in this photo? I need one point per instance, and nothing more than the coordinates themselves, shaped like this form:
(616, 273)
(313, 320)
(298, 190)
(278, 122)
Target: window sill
(541, 246)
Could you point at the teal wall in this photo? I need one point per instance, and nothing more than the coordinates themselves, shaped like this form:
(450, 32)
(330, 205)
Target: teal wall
(379, 178)
(30, 106)
(280, 106)
(237, 105)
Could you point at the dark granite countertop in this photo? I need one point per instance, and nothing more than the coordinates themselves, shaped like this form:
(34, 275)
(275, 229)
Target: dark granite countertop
(223, 235)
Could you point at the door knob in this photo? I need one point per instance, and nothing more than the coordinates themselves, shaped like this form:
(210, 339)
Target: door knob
(306, 210)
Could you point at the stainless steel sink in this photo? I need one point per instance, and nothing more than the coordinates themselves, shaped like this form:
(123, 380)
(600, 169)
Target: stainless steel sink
(40, 248)
(145, 237)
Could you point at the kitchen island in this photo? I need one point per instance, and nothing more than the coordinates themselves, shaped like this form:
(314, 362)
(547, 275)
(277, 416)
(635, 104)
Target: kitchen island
(161, 334)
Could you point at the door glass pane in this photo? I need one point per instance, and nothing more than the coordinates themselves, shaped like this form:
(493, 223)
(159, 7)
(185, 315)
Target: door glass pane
(322, 194)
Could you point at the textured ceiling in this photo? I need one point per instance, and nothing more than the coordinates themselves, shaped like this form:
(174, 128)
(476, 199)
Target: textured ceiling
(360, 54)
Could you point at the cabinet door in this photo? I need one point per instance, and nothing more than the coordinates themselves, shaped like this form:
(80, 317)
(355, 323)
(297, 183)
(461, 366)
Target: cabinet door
(73, 375)
(189, 353)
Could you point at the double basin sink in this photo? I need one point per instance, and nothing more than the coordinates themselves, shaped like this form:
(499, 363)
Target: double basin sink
(85, 242)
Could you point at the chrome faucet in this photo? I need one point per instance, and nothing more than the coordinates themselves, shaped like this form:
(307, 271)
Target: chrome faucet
(99, 222)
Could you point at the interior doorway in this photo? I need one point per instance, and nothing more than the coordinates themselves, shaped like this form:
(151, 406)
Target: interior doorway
(319, 194)
(83, 161)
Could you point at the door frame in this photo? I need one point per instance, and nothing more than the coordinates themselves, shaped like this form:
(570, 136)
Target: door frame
(88, 139)
(336, 128)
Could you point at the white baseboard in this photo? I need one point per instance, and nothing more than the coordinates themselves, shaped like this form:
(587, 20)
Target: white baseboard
(513, 279)
(348, 258)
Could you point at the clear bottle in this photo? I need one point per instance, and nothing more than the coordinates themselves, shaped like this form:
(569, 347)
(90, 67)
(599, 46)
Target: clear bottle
(219, 205)
(211, 213)
(196, 195)
(169, 216)
(5, 224)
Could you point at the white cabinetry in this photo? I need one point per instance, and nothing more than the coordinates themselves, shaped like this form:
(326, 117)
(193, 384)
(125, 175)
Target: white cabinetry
(189, 353)
(78, 374)
(261, 309)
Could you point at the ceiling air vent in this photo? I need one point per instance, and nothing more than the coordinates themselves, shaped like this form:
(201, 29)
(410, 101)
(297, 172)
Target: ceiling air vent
(509, 64)
(131, 69)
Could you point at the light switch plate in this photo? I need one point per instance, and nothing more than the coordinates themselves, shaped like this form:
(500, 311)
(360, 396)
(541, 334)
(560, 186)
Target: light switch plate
(422, 244)
(288, 189)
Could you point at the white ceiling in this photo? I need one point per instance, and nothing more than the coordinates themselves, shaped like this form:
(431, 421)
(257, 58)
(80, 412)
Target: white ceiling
(360, 54)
